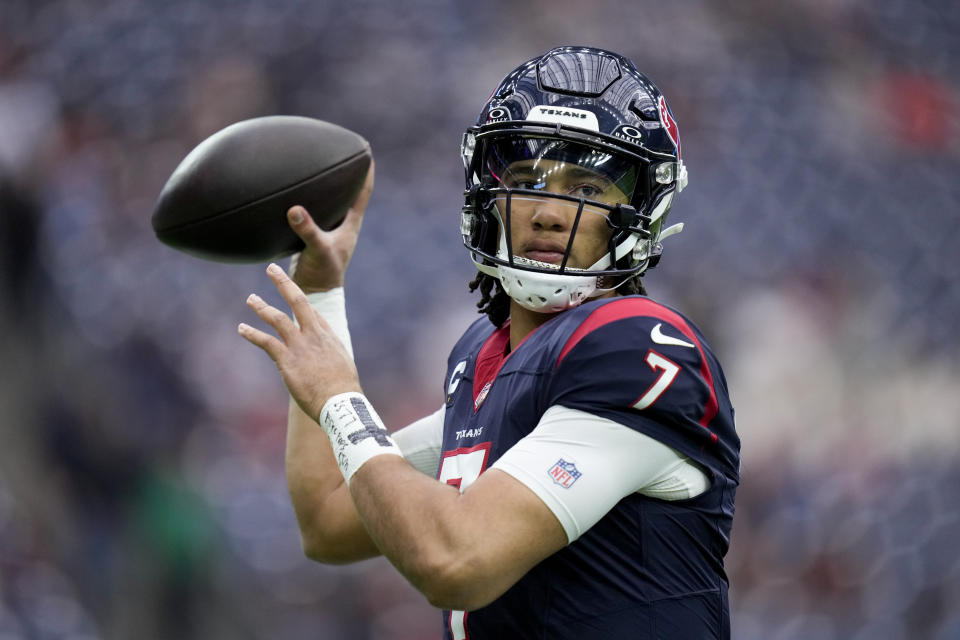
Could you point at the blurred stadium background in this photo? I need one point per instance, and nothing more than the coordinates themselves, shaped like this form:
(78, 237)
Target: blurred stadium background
(141, 480)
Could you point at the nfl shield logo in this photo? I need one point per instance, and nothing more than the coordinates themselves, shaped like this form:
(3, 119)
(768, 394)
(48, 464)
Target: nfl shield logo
(481, 396)
(564, 473)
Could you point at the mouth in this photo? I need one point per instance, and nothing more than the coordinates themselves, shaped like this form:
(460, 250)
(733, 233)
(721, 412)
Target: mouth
(544, 251)
(551, 257)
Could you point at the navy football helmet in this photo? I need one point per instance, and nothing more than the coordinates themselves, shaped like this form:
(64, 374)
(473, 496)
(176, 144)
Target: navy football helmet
(576, 109)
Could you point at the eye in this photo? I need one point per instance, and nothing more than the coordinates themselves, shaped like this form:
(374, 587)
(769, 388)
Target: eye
(586, 190)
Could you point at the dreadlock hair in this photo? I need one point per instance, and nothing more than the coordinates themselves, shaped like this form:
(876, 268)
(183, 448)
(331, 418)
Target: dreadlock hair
(495, 302)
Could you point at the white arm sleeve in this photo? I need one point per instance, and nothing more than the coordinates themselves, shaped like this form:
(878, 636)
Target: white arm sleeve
(581, 465)
(422, 442)
(332, 306)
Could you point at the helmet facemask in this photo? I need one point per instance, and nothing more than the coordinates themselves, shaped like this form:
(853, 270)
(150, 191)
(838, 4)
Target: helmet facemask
(572, 207)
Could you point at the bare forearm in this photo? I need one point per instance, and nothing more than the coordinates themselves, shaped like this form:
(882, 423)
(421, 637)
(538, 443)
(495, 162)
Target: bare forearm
(443, 542)
(399, 508)
(329, 526)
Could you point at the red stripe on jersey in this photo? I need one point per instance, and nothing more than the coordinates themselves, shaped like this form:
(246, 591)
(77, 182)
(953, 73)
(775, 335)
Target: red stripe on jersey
(491, 358)
(645, 307)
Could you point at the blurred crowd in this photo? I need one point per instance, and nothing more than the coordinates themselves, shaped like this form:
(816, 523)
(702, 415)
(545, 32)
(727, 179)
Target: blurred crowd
(141, 440)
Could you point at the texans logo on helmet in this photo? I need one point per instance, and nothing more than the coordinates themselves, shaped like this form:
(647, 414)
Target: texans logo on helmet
(669, 123)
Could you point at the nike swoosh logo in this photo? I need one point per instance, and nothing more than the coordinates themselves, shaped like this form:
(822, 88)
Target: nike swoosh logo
(658, 336)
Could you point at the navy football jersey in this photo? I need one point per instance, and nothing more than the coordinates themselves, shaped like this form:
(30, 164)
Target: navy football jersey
(649, 568)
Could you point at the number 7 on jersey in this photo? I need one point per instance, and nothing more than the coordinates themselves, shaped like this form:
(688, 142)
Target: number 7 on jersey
(669, 370)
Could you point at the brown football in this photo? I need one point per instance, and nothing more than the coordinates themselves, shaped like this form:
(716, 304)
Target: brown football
(227, 200)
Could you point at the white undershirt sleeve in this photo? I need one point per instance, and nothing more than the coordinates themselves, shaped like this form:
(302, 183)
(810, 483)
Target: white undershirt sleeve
(581, 465)
(422, 442)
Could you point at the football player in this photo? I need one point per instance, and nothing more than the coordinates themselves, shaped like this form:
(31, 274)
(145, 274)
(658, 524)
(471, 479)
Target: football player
(579, 480)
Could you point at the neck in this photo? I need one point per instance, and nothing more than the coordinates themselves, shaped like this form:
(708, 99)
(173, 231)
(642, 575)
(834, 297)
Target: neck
(523, 322)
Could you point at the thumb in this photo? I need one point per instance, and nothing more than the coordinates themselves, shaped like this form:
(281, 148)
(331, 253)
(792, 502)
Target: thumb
(305, 227)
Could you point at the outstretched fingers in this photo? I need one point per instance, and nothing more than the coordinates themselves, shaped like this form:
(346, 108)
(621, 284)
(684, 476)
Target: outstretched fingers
(273, 346)
(294, 297)
(277, 319)
(271, 315)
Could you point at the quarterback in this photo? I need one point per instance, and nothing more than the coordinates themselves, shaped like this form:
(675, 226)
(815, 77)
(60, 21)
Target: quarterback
(579, 480)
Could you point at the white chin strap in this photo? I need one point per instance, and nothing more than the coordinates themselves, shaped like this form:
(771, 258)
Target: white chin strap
(545, 292)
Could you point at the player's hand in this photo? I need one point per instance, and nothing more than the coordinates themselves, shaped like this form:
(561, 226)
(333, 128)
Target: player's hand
(322, 264)
(312, 362)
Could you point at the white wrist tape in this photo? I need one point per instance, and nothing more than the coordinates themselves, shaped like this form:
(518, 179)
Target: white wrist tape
(356, 432)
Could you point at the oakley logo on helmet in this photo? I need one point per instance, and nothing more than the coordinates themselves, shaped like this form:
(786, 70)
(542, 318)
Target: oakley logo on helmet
(669, 123)
(497, 114)
(565, 115)
(628, 132)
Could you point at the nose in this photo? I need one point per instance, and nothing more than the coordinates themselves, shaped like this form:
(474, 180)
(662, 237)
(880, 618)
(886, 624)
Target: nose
(551, 214)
